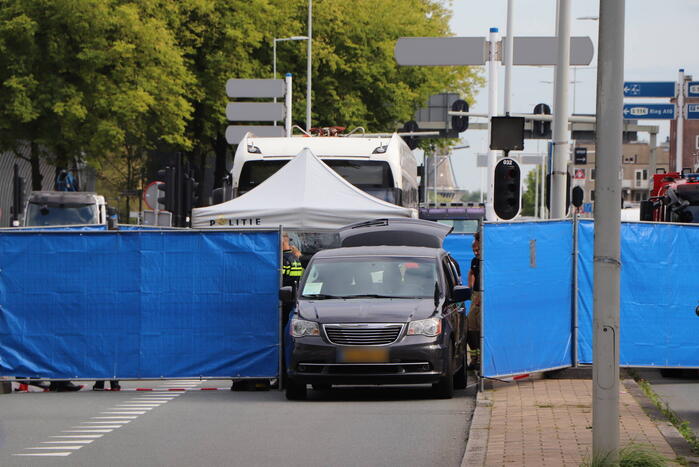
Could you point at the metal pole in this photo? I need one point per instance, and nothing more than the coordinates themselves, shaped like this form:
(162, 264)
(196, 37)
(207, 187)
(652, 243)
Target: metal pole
(652, 164)
(492, 111)
(536, 192)
(607, 265)
(308, 65)
(575, 287)
(679, 134)
(509, 45)
(287, 104)
(560, 113)
(274, 66)
(435, 163)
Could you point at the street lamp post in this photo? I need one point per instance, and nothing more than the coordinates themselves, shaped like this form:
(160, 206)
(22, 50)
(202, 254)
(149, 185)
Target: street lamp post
(274, 55)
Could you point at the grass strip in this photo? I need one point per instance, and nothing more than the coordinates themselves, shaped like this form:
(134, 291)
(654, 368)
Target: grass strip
(681, 425)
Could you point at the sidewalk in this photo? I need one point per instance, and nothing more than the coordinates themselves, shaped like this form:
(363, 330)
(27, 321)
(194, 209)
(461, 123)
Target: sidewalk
(548, 422)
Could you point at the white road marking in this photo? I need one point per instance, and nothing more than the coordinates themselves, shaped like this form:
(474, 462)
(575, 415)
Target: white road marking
(54, 447)
(96, 426)
(83, 441)
(46, 454)
(121, 422)
(86, 431)
(117, 418)
(76, 436)
(141, 404)
(124, 413)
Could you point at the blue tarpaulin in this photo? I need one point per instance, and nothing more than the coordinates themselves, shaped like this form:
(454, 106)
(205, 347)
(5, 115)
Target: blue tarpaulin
(139, 304)
(527, 316)
(459, 247)
(659, 294)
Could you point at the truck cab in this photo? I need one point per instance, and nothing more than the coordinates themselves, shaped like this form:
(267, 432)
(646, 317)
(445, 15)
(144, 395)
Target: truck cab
(50, 208)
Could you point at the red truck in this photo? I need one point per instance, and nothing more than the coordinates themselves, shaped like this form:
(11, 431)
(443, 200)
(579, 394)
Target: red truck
(674, 198)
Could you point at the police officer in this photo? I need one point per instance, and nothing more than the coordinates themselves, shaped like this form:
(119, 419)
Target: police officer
(292, 270)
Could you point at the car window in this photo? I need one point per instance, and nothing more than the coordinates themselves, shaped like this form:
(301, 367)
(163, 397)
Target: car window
(354, 277)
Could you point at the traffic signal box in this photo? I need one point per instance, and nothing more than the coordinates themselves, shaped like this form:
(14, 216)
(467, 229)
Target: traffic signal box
(179, 192)
(506, 193)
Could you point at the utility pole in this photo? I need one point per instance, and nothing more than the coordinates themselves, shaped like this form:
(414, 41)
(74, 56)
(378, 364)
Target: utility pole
(561, 145)
(607, 249)
(492, 111)
(309, 68)
(509, 46)
(679, 140)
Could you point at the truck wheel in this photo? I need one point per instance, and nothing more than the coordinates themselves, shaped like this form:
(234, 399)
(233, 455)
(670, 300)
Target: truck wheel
(295, 391)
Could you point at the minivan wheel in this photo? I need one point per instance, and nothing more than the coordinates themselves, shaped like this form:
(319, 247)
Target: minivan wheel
(295, 391)
(444, 388)
(460, 377)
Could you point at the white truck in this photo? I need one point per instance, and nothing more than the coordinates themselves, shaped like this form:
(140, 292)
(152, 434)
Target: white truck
(46, 208)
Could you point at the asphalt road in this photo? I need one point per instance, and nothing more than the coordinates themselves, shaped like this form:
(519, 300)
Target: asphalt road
(680, 392)
(344, 427)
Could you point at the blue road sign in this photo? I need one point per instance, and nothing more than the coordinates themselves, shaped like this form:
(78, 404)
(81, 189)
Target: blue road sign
(692, 111)
(693, 89)
(649, 89)
(649, 111)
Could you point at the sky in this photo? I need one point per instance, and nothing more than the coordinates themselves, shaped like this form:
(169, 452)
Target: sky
(661, 37)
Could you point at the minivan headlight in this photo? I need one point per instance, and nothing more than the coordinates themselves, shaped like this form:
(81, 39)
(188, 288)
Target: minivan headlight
(302, 328)
(425, 327)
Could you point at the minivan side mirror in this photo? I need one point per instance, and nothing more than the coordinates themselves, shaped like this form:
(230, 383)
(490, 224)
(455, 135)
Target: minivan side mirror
(460, 293)
(286, 294)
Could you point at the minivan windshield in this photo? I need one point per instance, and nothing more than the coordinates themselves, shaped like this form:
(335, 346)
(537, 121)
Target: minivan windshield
(371, 277)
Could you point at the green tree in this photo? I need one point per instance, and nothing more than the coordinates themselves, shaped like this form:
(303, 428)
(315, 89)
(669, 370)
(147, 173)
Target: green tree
(92, 79)
(529, 195)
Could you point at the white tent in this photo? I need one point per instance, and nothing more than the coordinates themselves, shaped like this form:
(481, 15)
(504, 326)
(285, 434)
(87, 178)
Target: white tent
(306, 195)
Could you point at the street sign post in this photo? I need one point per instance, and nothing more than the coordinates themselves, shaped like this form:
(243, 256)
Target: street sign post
(692, 112)
(581, 156)
(649, 111)
(649, 89)
(693, 89)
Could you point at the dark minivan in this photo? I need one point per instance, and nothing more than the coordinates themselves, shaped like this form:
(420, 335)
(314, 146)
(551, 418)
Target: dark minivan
(384, 308)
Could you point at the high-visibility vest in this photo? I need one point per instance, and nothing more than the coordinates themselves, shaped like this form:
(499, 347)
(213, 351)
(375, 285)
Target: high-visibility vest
(291, 267)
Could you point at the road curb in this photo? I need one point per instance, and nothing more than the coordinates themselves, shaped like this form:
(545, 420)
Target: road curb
(477, 444)
(673, 437)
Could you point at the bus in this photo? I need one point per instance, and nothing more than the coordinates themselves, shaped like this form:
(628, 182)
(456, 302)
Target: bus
(384, 167)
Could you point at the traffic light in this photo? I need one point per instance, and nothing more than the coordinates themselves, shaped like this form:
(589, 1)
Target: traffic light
(168, 177)
(506, 189)
(17, 196)
(459, 123)
(540, 128)
(190, 194)
(410, 127)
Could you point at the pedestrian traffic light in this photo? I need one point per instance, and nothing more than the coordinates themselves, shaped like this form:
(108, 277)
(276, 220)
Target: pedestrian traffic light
(548, 191)
(541, 128)
(506, 189)
(168, 178)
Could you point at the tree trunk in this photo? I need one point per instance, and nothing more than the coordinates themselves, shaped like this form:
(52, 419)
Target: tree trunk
(34, 160)
(221, 149)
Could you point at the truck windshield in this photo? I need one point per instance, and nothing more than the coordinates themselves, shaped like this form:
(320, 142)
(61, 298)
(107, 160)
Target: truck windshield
(371, 276)
(365, 175)
(64, 214)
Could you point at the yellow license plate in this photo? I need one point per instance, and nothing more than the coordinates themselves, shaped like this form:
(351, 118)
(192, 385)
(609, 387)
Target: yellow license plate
(363, 355)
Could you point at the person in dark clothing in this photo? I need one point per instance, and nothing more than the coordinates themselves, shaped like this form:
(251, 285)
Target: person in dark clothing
(113, 384)
(473, 333)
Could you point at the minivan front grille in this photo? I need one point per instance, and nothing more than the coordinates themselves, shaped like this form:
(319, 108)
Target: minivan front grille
(362, 334)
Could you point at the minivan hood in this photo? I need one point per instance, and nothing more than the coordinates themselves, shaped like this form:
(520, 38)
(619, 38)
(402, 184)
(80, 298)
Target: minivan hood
(372, 310)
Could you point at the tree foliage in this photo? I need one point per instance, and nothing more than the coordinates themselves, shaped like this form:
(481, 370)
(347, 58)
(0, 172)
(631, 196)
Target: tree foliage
(108, 80)
(529, 195)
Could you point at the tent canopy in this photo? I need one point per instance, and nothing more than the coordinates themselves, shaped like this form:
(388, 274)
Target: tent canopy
(305, 194)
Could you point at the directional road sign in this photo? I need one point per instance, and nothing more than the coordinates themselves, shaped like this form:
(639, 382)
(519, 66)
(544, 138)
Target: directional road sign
(649, 111)
(692, 112)
(457, 51)
(255, 88)
(235, 133)
(693, 89)
(649, 88)
(254, 111)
